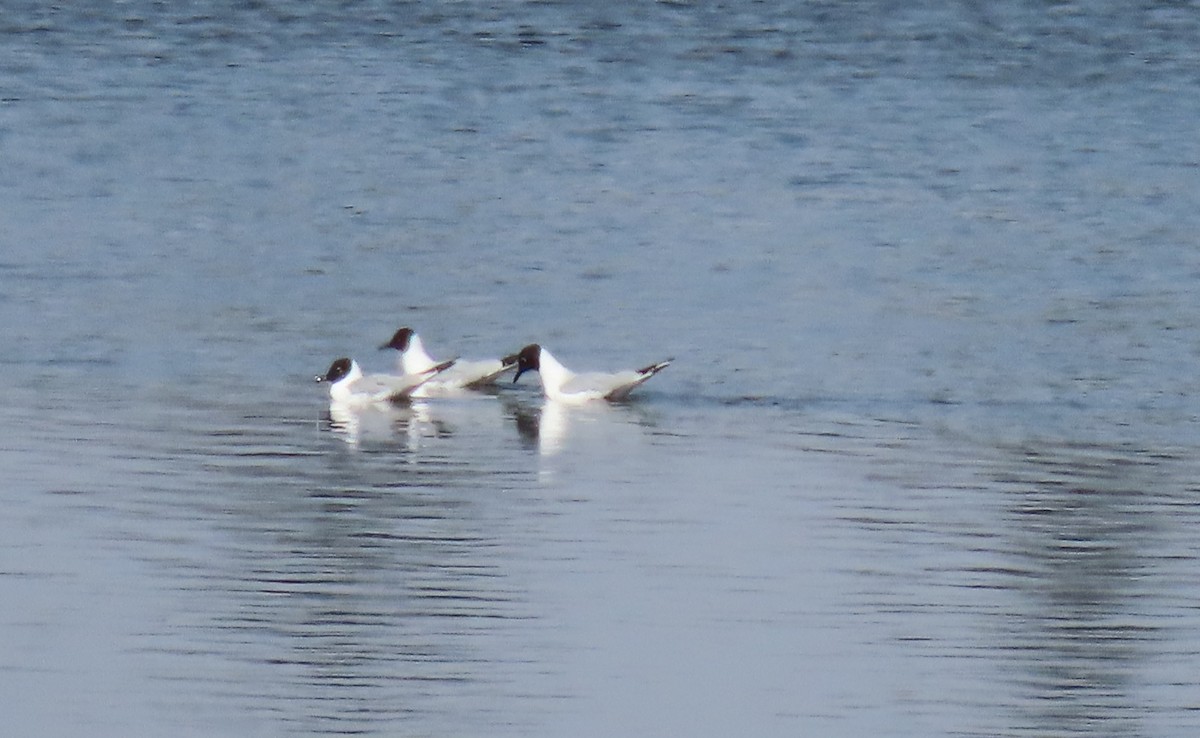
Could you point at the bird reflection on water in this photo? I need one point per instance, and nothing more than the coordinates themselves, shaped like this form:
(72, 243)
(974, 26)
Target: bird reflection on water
(549, 426)
(409, 422)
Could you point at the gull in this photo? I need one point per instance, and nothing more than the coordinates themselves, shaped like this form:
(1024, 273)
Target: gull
(463, 375)
(561, 384)
(349, 386)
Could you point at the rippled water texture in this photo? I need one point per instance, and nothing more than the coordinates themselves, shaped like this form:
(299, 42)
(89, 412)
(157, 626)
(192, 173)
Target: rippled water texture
(925, 462)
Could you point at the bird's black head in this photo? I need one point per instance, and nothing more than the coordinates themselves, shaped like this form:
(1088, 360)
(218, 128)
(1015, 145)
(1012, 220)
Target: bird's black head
(527, 359)
(400, 340)
(337, 370)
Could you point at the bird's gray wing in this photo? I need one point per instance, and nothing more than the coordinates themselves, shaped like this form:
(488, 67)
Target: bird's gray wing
(630, 380)
(390, 386)
(602, 385)
(477, 373)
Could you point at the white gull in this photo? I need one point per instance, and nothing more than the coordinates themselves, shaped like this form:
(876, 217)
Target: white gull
(563, 385)
(349, 386)
(414, 359)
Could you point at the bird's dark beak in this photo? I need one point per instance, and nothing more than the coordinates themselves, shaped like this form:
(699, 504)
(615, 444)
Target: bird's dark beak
(518, 375)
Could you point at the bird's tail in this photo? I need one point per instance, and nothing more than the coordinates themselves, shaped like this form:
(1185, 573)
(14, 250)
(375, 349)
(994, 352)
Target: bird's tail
(653, 369)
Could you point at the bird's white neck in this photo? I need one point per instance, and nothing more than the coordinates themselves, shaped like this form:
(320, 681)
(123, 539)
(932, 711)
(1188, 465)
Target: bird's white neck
(414, 359)
(554, 375)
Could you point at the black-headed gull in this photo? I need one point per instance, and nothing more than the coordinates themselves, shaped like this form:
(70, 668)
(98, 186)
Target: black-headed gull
(463, 375)
(561, 384)
(349, 386)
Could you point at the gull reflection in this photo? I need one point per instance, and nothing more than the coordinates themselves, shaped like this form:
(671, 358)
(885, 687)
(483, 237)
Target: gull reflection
(553, 426)
(411, 423)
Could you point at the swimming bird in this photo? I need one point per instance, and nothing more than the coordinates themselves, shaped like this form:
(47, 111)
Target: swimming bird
(463, 375)
(349, 386)
(561, 384)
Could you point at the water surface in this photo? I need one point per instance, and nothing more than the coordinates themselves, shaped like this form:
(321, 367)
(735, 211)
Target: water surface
(924, 465)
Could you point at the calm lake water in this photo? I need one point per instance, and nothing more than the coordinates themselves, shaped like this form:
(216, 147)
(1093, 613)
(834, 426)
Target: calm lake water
(926, 463)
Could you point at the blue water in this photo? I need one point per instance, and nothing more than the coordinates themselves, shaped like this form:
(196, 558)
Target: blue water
(925, 463)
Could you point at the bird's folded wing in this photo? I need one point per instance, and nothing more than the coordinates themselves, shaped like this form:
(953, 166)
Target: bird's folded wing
(388, 386)
(600, 384)
(471, 373)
